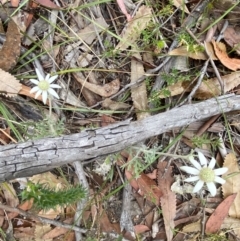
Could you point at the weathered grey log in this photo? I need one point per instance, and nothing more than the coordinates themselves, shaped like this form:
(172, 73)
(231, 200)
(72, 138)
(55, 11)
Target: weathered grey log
(33, 157)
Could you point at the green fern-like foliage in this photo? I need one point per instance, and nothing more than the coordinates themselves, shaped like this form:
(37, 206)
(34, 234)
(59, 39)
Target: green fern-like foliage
(45, 198)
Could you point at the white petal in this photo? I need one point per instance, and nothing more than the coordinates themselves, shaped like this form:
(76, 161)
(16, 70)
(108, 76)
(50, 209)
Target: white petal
(191, 179)
(40, 77)
(212, 163)
(202, 159)
(34, 81)
(190, 170)
(195, 163)
(219, 180)
(212, 188)
(53, 92)
(34, 89)
(47, 78)
(55, 86)
(38, 93)
(44, 96)
(220, 171)
(198, 186)
(52, 79)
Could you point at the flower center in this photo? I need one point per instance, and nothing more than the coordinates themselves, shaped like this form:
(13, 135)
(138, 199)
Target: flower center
(207, 175)
(43, 85)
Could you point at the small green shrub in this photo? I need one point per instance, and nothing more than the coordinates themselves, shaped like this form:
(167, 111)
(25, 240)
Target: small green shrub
(45, 198)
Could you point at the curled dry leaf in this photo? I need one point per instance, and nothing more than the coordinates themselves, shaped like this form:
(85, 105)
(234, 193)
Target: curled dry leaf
(9, 85)
(105, 91)
(230, 63)
(11, 47)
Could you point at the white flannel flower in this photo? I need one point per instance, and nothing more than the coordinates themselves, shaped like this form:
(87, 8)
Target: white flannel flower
(44, 86)
(204, 174)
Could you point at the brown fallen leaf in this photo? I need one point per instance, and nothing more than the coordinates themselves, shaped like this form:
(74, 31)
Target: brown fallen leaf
(48, 4)
(232, 184)
(105, 91)
(107, 120)
(114, 105)
(215, 221)
(5, 136)
(106, 225)
(11, 48)
(57, 231)
(27, 205)
(14, 3)
(139, 92)
(140, 228)
(145, 186)
(232, 37)
(230, 63)
(168, 198)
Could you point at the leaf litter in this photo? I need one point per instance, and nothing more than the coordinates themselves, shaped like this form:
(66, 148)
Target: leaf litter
(98, 50)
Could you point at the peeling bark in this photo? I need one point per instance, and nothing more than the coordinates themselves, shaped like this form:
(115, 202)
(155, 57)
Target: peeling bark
(33, 157)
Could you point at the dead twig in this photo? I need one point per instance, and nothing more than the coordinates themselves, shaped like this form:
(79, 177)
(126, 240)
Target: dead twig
(41, 219)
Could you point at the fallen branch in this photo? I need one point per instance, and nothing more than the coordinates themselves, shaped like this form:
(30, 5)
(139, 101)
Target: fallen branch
(33, 157)
(42, 219)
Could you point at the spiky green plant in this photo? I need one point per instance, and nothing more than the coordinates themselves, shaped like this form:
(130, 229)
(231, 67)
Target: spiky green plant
(45, 198)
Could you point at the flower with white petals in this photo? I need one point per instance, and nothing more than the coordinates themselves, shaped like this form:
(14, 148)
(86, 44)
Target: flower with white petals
(44, 86)
(204, 173)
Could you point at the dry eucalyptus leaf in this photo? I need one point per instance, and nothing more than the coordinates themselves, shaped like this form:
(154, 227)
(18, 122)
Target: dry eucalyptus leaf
(208, 88)
(214, 222)
(230, 63)
(139, 93)
(232, 184)
(135, 27)
(89, 33)
(184, 51)
(192, 227)
(114, 105)
(168, 198)
(67, 95)
(11, 48)
(105, 91)
(9, 85)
